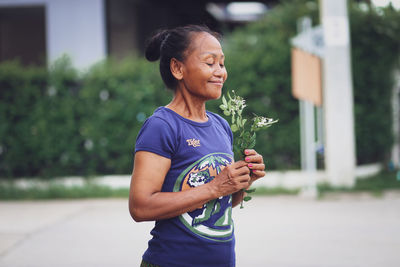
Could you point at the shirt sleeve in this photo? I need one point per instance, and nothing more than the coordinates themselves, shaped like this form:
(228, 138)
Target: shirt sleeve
(156, 136)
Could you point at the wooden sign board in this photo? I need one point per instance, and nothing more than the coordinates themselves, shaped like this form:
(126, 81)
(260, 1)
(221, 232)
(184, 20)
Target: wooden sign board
(306, 76)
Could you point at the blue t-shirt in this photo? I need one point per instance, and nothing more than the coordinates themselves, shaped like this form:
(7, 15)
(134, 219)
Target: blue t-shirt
(198, 152)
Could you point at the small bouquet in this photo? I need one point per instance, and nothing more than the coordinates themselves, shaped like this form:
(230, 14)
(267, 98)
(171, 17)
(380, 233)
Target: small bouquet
(245, 135)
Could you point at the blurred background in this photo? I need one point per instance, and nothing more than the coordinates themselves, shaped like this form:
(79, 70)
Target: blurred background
(75, 89)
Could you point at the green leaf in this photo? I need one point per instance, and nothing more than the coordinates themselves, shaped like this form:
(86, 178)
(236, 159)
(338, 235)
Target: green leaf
(227, 113)
(224, 101)
(223, 107)
(234, 128)
(252, 144)
(249, 191)
(236, 149)
(239, 122)
(244, 121)
(253, 137)
(247, 198)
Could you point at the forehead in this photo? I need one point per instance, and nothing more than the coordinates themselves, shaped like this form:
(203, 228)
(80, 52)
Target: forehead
(204, 43)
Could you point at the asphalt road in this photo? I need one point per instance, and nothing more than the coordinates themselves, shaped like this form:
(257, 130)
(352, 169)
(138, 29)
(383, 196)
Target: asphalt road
(347, 230)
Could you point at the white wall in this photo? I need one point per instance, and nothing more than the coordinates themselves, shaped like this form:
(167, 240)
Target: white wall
(73, 27)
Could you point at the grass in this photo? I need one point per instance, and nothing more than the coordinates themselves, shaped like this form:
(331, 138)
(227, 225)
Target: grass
(12, 192)
(375, 185)
(9, 191)
(264, 191)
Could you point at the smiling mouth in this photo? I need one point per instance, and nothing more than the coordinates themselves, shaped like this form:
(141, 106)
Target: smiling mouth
(217, 82)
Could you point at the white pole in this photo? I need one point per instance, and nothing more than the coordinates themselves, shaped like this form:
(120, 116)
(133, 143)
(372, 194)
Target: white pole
(308, 157)
(396, 121)
(340, 158)
(307, 132)
(307, 135)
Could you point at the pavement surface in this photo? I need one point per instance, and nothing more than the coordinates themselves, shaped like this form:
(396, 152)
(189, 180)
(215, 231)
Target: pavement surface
(341, 230)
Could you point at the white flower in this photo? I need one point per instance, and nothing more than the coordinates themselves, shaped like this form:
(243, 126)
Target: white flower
(261, 122)
(237, 104)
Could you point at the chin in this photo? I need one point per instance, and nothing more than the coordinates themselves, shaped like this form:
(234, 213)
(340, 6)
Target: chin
(215, 94)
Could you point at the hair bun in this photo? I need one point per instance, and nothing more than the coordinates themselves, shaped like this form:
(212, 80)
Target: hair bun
(153, 47)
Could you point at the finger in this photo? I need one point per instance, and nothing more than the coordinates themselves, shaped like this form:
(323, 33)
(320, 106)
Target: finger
(253, 167)
(256, 158)
(243, 170)
(249, 152)
(243, 179)
(258, 174)
(239, 164)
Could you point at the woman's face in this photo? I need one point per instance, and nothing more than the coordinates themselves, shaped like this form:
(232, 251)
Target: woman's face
(203, 72)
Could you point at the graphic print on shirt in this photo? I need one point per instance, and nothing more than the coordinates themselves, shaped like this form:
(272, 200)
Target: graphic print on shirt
(213, 219)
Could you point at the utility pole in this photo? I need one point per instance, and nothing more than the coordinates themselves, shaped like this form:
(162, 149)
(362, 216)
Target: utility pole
(340, 160)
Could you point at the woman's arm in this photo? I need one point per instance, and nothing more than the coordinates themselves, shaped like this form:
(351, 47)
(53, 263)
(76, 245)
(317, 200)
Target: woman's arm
(147, 202)
(237, 198)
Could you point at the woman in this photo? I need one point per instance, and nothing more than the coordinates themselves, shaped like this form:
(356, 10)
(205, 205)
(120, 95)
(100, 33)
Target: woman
(184, 175)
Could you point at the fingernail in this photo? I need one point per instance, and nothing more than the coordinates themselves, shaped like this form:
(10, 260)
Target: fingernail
(247, 159)
(250, 165)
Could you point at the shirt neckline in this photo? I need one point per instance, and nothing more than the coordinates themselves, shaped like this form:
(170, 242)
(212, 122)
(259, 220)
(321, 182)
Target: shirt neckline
(200, 124)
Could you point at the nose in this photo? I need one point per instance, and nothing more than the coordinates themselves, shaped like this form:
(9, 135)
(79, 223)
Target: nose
(220, 72)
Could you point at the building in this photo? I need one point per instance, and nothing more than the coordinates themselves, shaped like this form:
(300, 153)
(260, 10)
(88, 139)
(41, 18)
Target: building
(40, 31)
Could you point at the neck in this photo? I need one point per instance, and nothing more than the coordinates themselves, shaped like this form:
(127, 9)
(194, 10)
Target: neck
(188, 106)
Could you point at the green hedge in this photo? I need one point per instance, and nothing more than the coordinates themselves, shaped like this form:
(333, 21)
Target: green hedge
(258, 62)
(59, 122)
(20, 143)
(259, 69)
(375, 54)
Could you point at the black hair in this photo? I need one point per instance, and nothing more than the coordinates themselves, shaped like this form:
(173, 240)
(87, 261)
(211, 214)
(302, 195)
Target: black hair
(172, 43)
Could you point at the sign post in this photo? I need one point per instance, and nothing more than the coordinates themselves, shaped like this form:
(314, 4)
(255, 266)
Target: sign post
(321, 69)
(307, 87)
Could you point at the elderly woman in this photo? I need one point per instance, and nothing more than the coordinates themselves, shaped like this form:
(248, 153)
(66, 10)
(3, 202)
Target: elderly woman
(184, 177)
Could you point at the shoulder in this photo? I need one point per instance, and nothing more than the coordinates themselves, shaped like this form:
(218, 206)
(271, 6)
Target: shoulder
(161, 118)
(161, 123)
(157, 135)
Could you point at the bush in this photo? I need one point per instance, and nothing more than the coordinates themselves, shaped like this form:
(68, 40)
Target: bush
(59, 122)
(375, 55)
(116, 99)
(21, 91)
(259, 69)
(258, 63)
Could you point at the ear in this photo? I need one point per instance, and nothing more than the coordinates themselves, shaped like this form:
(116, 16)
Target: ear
(176, 68)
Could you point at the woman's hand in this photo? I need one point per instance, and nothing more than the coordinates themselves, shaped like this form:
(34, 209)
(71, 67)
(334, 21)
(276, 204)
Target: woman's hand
(255, 163)
(147, 202)
(231, 179)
